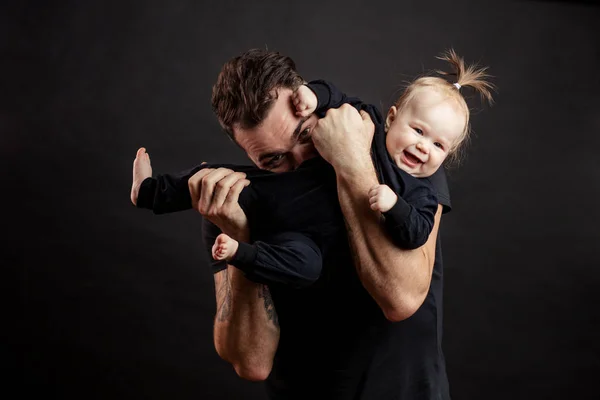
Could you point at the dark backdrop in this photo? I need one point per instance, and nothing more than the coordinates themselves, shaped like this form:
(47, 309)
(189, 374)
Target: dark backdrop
(113, 302)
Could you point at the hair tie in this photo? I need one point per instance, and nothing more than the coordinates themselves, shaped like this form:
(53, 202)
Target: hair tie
(457, 85)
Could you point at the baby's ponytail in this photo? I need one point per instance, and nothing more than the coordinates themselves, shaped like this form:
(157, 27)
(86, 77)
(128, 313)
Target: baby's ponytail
(468, 75)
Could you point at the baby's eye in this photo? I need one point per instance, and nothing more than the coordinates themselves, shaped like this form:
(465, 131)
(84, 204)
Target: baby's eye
(438, 144)
(419, 131)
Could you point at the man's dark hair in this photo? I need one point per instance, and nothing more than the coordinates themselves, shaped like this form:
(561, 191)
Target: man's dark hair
(244, 92)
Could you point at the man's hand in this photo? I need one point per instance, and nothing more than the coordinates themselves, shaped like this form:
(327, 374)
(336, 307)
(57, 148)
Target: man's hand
(382, 198)
(305, 101)
(141, 170)
(215, 194)
(343, 138)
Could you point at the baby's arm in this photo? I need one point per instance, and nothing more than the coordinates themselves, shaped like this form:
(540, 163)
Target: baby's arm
(288, 258)
(382, 198)
(319, 96)
(409, 219)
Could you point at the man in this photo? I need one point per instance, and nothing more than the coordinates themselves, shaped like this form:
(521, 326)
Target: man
(371, 330)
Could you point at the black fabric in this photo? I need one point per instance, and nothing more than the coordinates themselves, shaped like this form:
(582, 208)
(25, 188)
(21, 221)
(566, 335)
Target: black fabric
(167, 193)
(288, 257)
(315, 224)
(335, 342)
(410, 221)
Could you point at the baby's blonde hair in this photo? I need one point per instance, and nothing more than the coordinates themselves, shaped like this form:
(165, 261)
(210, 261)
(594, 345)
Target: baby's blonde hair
(466, 76)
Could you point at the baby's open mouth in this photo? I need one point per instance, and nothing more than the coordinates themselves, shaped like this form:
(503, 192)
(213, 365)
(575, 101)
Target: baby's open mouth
(412, 159)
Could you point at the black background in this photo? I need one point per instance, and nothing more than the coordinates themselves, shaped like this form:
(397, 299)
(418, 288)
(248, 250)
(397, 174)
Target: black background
(113, 302)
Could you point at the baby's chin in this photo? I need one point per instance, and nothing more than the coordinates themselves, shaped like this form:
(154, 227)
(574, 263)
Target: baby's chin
(420, 174)
(425, 171)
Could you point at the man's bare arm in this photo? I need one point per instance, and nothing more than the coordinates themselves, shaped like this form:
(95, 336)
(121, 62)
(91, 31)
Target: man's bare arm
(246, 331)
(397, 279)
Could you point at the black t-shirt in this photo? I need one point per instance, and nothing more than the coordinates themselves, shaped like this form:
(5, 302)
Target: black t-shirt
(335, 342)
(301, 206)
(292, 247)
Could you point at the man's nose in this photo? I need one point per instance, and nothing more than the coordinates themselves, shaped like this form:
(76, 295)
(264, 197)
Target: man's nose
(302, 153)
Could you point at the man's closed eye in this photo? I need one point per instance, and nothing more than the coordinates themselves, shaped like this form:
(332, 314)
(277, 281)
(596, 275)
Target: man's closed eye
(274, 161)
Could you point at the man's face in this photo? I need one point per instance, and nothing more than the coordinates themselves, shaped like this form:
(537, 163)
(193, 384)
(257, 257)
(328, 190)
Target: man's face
(283, 140)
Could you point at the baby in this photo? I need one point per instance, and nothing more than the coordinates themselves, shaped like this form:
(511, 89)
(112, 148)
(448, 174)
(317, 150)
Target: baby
(426, 126)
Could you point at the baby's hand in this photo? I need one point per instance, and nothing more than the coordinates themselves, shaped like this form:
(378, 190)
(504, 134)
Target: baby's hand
(382, 198)
(305, 101)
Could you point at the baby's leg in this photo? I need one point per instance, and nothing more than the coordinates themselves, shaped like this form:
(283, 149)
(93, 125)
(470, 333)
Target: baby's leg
(224, 248)
(289, 258)
(141, 170)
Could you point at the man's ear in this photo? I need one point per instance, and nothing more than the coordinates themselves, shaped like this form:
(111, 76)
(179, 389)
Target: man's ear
(391, 116)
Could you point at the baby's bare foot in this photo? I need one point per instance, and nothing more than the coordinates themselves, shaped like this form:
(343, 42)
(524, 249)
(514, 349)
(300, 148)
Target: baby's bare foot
(141, 170)
(224, 248)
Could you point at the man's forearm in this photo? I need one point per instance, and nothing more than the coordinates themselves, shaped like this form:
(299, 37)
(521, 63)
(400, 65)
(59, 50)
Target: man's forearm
(246, 331)
(397, 279)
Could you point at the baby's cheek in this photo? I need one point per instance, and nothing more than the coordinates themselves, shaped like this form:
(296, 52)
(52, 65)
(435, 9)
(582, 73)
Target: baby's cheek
(394, 144)
(436, 164)
(442, 159)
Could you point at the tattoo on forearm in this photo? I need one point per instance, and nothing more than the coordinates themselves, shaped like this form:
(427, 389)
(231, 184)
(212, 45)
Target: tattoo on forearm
(269, 305)
(224, 311)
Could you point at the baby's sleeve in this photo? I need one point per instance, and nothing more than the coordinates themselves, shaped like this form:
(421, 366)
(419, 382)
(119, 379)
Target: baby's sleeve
(410, 221)
(167, 193)
(329, 96)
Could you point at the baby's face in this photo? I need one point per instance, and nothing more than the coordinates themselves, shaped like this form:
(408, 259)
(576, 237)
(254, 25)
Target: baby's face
(421, 136)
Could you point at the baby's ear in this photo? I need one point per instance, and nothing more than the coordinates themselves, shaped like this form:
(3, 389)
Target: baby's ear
(391, 116)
